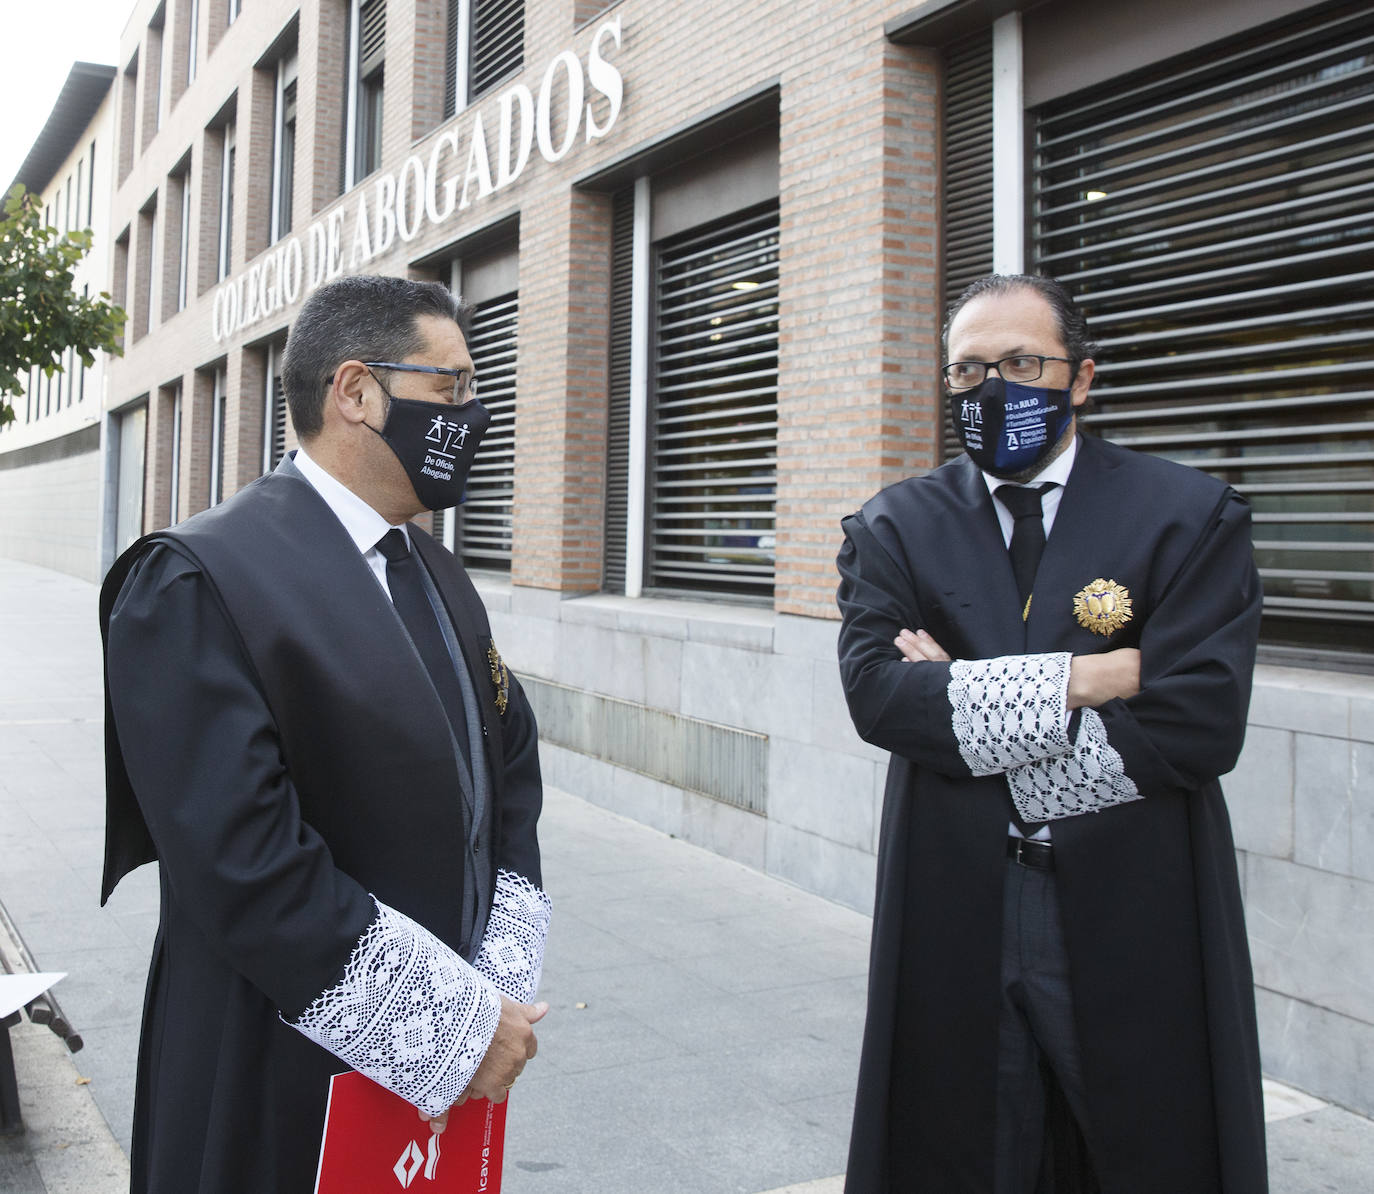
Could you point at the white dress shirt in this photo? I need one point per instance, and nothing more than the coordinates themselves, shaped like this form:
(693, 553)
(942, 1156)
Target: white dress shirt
(363, 524)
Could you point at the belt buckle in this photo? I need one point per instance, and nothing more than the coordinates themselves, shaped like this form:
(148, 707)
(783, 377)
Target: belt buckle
(1020, 852)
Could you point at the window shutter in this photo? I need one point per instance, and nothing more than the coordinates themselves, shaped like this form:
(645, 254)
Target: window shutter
(618, 412)
(1213, 215)
(451, 60)
(371, 36)
(484, 525)
(713, 455)
(967, 173)
(498, 42)
(277, 448)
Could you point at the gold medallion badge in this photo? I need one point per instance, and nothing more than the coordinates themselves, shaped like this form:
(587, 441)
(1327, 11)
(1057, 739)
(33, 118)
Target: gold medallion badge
(1103, 607)
(500, 677)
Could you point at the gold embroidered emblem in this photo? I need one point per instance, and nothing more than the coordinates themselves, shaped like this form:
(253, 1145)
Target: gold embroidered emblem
(500, 677)
(1103, 607)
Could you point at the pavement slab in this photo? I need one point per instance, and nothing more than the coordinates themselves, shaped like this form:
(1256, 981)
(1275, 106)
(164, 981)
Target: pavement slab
(705, 1018)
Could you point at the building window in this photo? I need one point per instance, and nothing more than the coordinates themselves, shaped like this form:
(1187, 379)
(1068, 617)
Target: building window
(486, 44)
(482, 536)
(128, 118)
(192, 38)
(284, 148)
(691, 470)
(184, 240)
(217, 429)
(226, 203)
(367, 76)
(121, 280)
(712, 451)
(966, 172)
(154, 271)
(132, 427)
(144, 310)
(174, 470)
(1205, 213)
(156, 75)
(273, 409)
(233, 13)
(90, 189)
(81, 376)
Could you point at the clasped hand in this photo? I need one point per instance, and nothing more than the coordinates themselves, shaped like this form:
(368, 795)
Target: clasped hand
(1093, 679)
(512, 1045)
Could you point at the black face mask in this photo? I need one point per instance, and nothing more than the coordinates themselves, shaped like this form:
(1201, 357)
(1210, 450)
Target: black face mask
(1008, 428)
(435, 443)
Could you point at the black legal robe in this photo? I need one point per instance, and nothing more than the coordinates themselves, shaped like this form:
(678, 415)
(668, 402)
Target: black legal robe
(274, 742)
(1152, 913)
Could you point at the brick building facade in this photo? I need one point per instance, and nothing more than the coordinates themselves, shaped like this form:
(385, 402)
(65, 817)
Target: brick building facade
(710, 247)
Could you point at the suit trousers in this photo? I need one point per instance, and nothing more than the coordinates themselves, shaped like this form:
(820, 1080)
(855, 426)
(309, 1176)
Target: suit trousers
(1036, 1028)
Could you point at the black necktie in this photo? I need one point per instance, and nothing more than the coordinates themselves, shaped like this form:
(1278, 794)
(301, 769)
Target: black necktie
(412, 603)
(1027, 535)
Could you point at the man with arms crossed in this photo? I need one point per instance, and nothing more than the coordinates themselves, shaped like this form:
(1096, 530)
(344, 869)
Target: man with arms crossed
(309, 727)
(1054, 637)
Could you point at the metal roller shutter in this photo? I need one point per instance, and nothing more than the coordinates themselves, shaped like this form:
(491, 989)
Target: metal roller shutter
(618, 405)
(713, 455)
(276, 444)
(498, 42)
(1213, 215)
(967, 173)
(371, 37)
(484, 524)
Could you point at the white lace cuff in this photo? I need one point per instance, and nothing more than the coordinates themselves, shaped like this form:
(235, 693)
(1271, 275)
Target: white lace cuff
(1087, 780)
(512, 950)
(1010, 710)
(409, 1013)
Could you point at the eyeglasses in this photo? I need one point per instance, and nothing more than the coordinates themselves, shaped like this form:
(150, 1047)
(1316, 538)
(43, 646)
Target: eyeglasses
(961, 375)
(464, 380)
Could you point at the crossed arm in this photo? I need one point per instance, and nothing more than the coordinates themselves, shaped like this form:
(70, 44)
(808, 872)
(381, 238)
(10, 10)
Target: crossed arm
(1074, 733)
(1093, 679)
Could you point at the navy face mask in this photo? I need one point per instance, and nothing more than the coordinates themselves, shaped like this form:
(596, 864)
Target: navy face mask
(435, 442)
(1008, 428)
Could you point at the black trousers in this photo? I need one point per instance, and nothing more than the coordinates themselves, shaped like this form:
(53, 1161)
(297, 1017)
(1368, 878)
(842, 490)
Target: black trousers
(1036, 1029)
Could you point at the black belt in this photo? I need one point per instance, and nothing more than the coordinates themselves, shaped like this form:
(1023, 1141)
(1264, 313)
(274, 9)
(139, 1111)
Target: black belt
(1039, 855)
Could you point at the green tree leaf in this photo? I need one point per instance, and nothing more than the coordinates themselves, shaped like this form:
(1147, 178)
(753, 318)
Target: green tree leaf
(41, 314)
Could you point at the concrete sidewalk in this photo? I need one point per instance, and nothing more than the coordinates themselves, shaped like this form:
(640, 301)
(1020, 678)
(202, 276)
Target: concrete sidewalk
(705, 1019)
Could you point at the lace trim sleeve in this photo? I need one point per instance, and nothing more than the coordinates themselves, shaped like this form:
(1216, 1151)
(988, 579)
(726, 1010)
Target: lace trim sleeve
(512, 950)
(1092, 777)
(1010, 710)
(409, 1013)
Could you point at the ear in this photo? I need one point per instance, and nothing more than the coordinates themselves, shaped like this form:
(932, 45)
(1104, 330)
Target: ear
(1082, 382)
(349, 393)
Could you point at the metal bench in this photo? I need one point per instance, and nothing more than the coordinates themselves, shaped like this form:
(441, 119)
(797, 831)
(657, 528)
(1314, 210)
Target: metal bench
(41, 1009)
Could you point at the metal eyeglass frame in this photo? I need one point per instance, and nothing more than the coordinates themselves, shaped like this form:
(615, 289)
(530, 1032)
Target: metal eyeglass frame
(986, 365)
(464, 380)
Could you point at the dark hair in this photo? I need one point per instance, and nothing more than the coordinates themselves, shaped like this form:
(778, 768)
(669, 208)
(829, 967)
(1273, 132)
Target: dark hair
(1073, 327)
(364, 318)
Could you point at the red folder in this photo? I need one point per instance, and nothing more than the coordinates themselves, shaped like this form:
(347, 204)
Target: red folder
(375, 1141)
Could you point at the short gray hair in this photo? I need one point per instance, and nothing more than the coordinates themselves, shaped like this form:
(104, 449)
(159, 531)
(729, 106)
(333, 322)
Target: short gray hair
(370, 317)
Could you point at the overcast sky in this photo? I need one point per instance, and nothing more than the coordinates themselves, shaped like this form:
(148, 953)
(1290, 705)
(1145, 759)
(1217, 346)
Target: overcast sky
(43, 38)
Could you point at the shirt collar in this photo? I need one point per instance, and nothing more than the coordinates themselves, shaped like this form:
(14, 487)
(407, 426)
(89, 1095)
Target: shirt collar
(363, 524)
(1057, 470)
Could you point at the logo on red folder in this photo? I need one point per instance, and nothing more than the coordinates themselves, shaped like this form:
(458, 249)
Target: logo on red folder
(373, 1138)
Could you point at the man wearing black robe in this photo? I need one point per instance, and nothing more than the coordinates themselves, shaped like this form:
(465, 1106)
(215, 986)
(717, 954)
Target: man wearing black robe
(345, 821)
(1060, 994)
